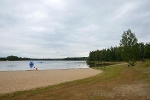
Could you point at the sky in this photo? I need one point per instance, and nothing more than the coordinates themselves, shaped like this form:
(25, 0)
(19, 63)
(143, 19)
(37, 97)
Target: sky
(69, 28)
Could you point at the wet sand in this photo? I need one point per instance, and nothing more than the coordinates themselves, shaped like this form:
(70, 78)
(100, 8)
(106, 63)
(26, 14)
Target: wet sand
(11, 81)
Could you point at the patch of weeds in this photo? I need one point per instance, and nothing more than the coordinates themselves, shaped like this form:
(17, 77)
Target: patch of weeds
(132, 63)
(147, 63)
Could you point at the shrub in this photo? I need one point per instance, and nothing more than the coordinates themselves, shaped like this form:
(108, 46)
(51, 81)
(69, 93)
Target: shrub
(147, 63)
(132, 63)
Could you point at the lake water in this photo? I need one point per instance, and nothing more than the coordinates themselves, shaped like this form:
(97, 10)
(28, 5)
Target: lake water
(41, 65)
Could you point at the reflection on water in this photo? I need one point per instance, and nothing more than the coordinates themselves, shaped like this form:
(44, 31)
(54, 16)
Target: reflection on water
(11, 65)
(41, 65)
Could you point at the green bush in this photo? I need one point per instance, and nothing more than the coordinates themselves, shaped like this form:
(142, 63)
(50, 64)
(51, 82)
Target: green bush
(132, 63)
(147, 64)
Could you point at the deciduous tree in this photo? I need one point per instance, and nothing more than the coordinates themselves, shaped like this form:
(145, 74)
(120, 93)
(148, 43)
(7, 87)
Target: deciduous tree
(127, 42)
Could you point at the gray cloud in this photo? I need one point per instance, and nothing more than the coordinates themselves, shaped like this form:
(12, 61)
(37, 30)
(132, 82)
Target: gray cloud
(69, 28)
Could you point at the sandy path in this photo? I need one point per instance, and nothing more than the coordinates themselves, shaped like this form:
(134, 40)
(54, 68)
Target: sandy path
(11, 81)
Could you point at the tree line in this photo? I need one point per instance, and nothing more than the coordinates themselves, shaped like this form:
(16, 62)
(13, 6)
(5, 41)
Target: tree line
(15, 58)
(129, 50)
(141, 51)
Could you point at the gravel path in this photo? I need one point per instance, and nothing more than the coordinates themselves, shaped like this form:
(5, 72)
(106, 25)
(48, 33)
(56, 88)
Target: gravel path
(11, 81)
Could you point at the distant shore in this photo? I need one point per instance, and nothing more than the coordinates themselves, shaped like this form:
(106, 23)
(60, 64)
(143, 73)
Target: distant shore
(12, 81)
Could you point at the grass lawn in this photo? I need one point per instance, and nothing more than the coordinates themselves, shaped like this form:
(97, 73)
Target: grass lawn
(117, 82)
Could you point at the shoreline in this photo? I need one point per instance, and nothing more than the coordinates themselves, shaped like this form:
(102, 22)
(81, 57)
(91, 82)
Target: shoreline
(12, 81)
(40, 70)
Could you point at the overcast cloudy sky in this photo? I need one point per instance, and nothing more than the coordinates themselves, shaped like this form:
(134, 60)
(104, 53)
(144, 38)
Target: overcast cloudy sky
(69, 28)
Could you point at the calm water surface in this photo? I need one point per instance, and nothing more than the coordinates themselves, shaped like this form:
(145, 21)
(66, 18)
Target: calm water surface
(41, 65)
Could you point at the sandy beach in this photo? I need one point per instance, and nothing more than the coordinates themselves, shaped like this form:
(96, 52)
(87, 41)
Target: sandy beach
(11, 81)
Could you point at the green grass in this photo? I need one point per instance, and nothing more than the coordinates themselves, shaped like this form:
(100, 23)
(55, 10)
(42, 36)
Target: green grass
(116, 82)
